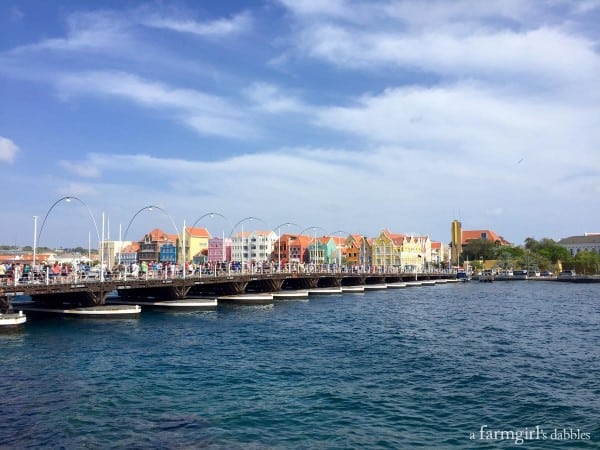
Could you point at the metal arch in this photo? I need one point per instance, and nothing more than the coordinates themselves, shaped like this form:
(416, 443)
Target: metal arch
(340, 231)
(211, 214)
(68, 198)
(314, 228)
(150, 208)
(248, 218)
(286, 224)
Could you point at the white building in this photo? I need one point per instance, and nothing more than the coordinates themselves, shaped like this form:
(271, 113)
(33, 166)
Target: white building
(253, 246)
(588, 242)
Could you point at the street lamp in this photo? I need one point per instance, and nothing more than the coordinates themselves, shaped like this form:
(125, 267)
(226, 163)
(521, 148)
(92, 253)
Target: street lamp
(212, 216)
(66, 199)
(151, 208)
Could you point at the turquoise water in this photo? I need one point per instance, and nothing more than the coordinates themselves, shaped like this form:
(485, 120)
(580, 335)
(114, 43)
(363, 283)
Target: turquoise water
(420, 367)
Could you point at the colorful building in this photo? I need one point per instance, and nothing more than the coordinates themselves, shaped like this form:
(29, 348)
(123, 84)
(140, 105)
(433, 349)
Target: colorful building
(196, 243)
(152, 242)
(219, 250)
(253, 246)
(401, 251)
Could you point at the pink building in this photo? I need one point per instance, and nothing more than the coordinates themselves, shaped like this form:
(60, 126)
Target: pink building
(219, 250)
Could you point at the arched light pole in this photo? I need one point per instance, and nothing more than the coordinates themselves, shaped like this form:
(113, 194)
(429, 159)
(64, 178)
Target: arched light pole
(212, 216)
(314, 228)
(241, 222)
(278, 227)
(151, 208)
(68, 199)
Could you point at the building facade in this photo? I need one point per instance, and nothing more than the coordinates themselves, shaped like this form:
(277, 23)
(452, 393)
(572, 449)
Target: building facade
(196, 243)
(151, 243)
(253, 246)
(219, 250)
(588, 242)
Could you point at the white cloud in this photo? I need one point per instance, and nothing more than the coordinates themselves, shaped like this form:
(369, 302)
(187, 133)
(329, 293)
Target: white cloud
(273, 99)
(542, 54)
(208, 114)
(336, 8)
(238, 24)
(82, 170)
(8, 150)
(98, 30)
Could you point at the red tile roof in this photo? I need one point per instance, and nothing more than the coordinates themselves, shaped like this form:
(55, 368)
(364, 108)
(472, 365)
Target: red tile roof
(469, 235)
(197, 232)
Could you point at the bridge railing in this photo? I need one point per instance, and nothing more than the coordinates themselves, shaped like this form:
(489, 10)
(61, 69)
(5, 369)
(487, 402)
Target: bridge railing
(48, 278)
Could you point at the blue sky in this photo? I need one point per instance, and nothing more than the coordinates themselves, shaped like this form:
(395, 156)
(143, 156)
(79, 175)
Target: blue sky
(340, 114)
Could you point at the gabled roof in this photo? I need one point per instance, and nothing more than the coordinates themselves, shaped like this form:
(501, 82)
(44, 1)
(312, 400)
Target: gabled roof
(396, 238)
(573, 240)
(197, 232)
(158, 235)
(301, 241)
(468, 235)
(134, 247)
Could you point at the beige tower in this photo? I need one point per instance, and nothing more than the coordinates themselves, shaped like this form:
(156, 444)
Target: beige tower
(456, 233)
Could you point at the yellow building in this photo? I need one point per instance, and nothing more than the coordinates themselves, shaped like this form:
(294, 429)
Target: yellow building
(407, 253)
(196, 242)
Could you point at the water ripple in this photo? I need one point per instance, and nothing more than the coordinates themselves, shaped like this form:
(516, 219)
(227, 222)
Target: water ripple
(416, 368)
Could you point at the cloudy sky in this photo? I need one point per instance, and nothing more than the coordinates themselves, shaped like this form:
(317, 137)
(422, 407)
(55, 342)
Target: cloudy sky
(340, 114)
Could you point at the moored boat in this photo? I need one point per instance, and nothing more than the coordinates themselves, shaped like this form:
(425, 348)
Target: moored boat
(12, 320)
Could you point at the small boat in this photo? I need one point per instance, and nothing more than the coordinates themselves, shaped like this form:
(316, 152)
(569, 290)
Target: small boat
(519, 274)
(487, 276)
(12, 320)
(463, 276)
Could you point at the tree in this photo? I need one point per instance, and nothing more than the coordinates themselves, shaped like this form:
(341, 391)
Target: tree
(587, 262)
(479, 248)
(555, 253)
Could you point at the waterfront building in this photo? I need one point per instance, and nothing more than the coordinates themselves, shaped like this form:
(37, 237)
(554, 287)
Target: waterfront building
(253, 246)
(327, 250)
(219, 250)
(292, 248)
(440, 254)
(386, 249)
(588, 242)
(196, 243)
(168, 253)
(459, 238)
(401, 251)
(358, 250)
(111, 250)
(129, 255)
(151, 244)
(485, 235)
